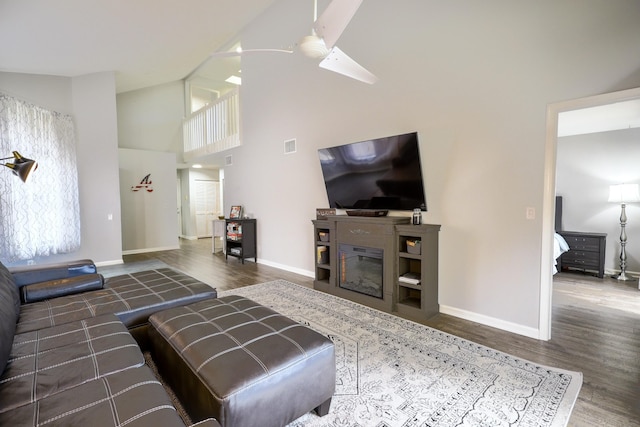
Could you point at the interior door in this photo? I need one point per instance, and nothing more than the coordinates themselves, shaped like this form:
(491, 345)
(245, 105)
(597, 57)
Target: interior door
(206, 204)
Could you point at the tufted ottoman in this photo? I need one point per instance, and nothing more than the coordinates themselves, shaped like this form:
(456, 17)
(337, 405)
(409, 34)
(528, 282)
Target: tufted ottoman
(242, 363)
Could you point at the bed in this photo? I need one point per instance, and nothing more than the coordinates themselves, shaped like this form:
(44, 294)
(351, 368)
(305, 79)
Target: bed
(560, 245)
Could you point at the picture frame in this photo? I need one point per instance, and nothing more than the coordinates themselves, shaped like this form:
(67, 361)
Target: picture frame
(323, 213)
(236, 212)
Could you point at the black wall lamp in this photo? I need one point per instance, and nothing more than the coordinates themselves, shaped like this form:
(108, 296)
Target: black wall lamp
(21, 166)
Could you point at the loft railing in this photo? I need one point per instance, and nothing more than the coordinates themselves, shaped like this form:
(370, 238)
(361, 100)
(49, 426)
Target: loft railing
(214, 128)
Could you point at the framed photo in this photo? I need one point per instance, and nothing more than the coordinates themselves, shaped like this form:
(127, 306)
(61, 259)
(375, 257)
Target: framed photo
(236, 212)
(323, 213)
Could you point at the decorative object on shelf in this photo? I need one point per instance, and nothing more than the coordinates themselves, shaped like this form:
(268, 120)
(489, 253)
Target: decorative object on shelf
(236, 212)
(417, 217)
(411, 278)
(322, 255)
(145, 183)
(324, 213)
(413, 246)
(623, 194)
(240, 239)
(21, 166)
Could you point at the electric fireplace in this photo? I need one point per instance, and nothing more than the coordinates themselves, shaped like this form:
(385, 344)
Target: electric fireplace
(360, 269)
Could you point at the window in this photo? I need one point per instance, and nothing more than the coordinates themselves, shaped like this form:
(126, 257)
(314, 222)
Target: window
(40, 217)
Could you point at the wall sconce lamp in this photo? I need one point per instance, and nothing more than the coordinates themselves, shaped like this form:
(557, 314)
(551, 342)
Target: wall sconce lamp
(21, 166)
(623, 194)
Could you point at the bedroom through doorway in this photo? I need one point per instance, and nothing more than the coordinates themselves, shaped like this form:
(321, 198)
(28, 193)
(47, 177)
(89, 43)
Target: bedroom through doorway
(552, 166)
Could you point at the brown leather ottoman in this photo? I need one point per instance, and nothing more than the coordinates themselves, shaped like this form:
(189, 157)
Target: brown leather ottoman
(242, 363)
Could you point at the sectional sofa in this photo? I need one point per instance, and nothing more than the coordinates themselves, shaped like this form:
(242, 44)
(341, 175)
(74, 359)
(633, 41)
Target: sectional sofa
(71, 345)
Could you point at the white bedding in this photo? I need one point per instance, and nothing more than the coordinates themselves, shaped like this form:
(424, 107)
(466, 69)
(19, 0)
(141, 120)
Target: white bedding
(560, 246)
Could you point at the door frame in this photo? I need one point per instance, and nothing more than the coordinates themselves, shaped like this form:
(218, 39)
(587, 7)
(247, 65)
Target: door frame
(549, 192)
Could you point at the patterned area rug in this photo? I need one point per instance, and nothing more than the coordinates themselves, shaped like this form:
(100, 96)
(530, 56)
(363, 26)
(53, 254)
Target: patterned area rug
(394, 372)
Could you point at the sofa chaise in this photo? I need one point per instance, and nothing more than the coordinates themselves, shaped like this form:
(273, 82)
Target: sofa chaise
(71, 359)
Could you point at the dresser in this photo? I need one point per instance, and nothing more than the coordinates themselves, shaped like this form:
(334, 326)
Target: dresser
(586, 252)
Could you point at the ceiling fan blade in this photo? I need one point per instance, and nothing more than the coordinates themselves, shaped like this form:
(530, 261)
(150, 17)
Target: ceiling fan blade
(338, 62)
(335, 19)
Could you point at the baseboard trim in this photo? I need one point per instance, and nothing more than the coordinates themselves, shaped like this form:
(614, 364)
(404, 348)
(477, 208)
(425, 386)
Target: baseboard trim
(290, 269)
(615, 272)
(145, 250)
(491, 321)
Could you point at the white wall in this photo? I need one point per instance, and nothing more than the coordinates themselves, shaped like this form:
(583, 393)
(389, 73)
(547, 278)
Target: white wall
(586, 166)
(149, 221)
(474, 79)
(90, 99)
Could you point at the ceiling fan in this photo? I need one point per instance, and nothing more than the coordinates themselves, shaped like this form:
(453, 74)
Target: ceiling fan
(320, 44)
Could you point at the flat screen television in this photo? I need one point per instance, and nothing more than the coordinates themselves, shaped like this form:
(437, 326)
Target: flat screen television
(379, 174)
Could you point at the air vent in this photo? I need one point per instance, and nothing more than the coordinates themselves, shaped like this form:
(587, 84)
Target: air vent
(228, 161)
(290, 146)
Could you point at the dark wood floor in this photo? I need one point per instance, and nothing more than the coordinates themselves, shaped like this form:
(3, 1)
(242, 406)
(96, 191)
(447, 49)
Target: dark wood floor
(595, 329)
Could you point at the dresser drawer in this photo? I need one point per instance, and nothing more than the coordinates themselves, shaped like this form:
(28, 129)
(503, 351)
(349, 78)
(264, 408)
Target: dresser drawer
(583, 243)
(581, 259)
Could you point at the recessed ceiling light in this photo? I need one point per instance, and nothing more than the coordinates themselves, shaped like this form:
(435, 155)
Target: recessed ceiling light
(234, 80)
(197, 166)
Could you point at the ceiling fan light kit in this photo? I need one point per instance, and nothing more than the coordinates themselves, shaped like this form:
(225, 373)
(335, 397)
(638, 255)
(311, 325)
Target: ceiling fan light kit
(313, 47)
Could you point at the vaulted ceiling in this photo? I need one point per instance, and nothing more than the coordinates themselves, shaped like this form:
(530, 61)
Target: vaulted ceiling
(146, 42)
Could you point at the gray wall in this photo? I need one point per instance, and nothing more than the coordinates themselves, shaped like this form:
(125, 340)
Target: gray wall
(586, 166)
(149, 221)
(474, 79)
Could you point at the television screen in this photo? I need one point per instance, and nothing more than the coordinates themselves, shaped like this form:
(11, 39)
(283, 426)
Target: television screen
(383, 173)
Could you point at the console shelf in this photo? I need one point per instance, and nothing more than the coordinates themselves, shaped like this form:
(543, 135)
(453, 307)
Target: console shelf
(418, 260)
(240, 239)
(324, 270)
(416, 294)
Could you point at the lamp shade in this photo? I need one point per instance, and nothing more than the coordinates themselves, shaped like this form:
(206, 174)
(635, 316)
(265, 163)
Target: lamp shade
(21, 166)
(624, 193)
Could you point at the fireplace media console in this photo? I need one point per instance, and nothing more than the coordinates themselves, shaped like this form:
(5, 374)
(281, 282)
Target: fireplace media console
(382, 262)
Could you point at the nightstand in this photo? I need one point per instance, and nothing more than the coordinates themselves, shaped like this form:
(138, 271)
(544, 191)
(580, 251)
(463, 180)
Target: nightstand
(586, 252)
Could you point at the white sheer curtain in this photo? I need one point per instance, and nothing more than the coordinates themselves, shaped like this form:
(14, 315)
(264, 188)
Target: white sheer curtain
(42, 216)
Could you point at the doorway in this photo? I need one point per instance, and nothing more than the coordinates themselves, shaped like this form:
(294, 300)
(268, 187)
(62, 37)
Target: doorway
(207, 206)
(548, 206)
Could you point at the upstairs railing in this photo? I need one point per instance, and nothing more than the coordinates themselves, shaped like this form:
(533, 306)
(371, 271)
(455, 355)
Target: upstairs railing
(214, 128)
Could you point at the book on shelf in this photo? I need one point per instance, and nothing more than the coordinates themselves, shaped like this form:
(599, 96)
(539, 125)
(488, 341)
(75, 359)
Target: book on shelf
(322, 255)
(411, 278)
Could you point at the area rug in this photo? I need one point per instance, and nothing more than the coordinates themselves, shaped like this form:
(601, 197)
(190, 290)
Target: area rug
(394, 372)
